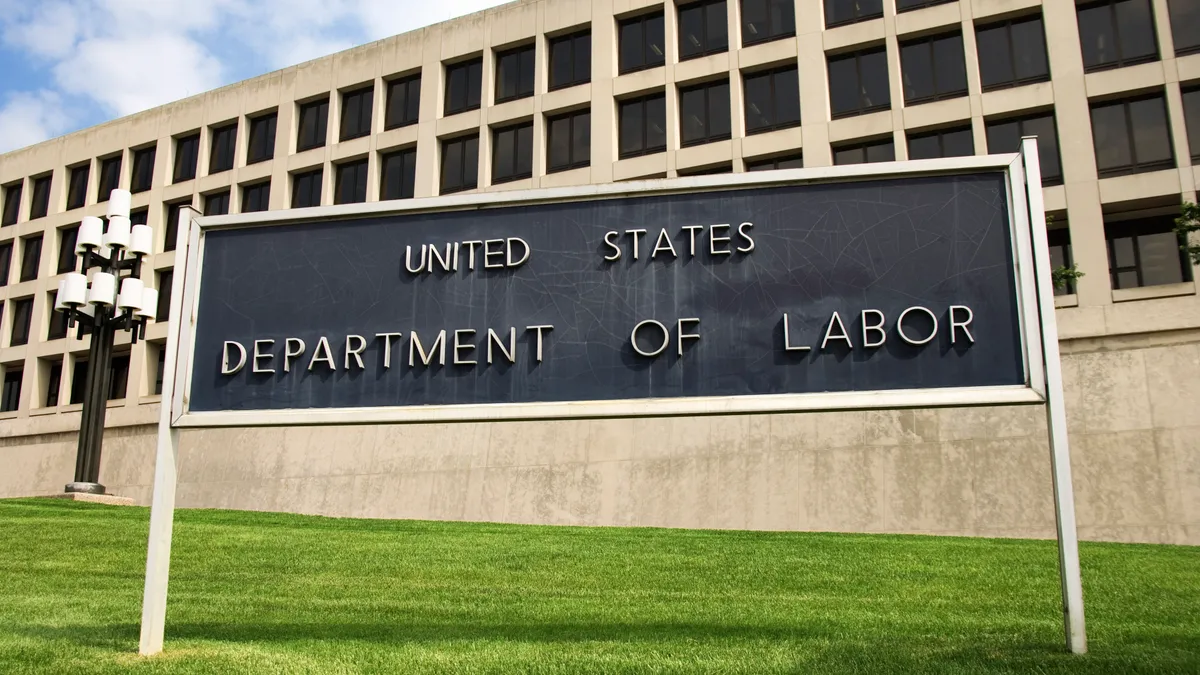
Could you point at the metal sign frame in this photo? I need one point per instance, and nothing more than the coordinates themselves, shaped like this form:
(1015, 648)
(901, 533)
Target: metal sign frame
(1037, 327)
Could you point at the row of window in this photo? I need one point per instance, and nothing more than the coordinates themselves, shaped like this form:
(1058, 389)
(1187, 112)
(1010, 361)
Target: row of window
(10, 393)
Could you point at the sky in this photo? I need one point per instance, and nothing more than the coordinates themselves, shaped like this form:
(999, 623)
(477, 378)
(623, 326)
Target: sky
(70, 64)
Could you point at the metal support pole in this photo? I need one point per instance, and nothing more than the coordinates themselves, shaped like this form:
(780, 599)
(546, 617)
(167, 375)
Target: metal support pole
(95, 407)
(1056, 413)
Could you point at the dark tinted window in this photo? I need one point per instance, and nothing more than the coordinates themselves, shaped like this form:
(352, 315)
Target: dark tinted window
(703, 29)
(864, 153)
(723, 168)
(67, 237)
(262, 138)
(1132, 136)
(31, 257)
(460, 164)
(512, 153)
(764, 20)
(160, 368)
(6, 250)
(78, 381)
(22, 312)
(942, 143)
(933, 68)
(641, 42)
(1059, 241)
(314, 121)
(356, 113)
(398, 174)
(643, 125)
(143, 170)
(571, 60)
(1116, 33)
(118, 377)
(110, 177)
(905, 5)
(704, 113)
(1145, 252)
(256, 197)
(1012, 53)
(839, 12)
(403, 102)
(139, 217)
(514, 73)
(858, 83)
(171, 227)
(216, 204)
(569, 141)
(464, 82)
(77, 186)
(1191, 114)
(224, 142)
(772, 100)
(1185, 25)
(54, 381)
(165, 279)
(39, 204)
(10, 398)
(1006, 135)
(12, 203)
(795, 161)
(187, 151)
(350, 183)
(306, 189)
(58, 320)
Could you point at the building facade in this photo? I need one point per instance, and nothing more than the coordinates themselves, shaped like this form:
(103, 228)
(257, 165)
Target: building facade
(544, 93)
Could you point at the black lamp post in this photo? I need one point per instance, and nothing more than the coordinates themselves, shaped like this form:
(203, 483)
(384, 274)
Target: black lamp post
(115, 252)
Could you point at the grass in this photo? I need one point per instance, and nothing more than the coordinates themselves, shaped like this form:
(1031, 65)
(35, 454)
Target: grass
(273, 593)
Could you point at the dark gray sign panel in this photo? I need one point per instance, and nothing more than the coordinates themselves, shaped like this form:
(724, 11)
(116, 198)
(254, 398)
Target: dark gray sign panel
(903, 283)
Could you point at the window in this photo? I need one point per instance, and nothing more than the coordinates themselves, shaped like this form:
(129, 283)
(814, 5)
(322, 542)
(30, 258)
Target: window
(703, 29)
(6, 250)
(1132, 136)
(356, 112)
(1191, 115)
(514, 73)
(66, 249)
(12, 203)
(256, 197)
(262, 138)
(306, 189)
(460, 164)
(1006, 135)
(1012, 53)
(641, 42)
(865, 153)
(704, 113)
(512, 153)
(217, 203)
(1145, 252)
(403, 102)
(58, 320)
(571, 60)
(795, 161)
(1116, 33)
(399, 174)
(22, 313)
(764, 20)
(163, 311)
(1059, 240)
(643, 125)
(160, 368)
(772, 100)
(31, 257)
(569, 141)
(143, 169)
(314, 118)
(171, 228)
(110, 177)
(10, 399)
(858, 83)
(464, 82)
(841, 12)
(54, 382)
(723, 168)
(350, 183)
(187, 153)
(905, 5)
(77, 186)
(1185, 25)
(139, 217)
(943, 143)
(40, 204)
(933, 68)
(224, 140)
(118, 377)
(78, 381)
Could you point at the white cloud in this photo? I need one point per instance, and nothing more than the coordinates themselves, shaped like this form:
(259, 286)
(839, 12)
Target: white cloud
(28, 118)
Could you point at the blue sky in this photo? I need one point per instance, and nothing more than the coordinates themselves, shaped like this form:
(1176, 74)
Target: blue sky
(70, 64)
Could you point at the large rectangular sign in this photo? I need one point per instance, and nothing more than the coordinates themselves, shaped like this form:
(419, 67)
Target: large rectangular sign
(708, 295)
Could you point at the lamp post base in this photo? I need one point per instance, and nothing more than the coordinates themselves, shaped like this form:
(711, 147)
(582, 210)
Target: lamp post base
(86, 488)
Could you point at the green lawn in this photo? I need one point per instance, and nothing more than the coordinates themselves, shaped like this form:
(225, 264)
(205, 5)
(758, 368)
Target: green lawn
(272, 593)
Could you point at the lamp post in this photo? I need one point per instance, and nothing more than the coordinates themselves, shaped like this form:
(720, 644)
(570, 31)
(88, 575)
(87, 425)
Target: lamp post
(98, 308)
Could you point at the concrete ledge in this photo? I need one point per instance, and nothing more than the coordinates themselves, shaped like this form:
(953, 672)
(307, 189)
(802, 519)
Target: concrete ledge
(110, 500)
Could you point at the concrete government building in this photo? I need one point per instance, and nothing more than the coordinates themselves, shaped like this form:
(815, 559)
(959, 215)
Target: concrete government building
(543, 93)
